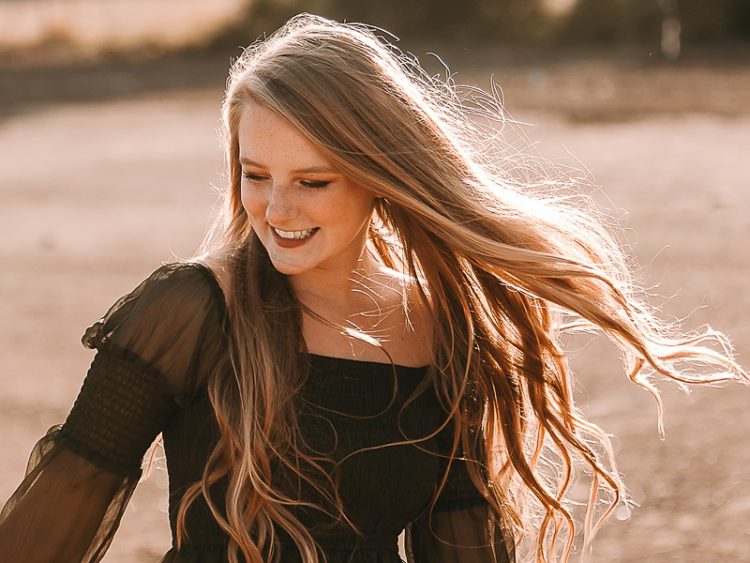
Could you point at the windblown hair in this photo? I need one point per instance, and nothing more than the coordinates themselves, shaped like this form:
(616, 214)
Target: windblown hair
(504, 269)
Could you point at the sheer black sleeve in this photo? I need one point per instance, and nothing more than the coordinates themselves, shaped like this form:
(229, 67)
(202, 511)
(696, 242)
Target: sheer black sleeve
(154, 346)
(461, 527)
(172, 325)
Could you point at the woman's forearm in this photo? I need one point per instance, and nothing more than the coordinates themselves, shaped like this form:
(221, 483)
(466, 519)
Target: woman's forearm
(60, 513)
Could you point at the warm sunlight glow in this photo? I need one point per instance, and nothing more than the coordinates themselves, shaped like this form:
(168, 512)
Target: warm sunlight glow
(558, 8)
(115, 23)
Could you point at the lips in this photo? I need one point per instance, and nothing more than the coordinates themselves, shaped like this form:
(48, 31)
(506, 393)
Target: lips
(294, 234)
(291, 242)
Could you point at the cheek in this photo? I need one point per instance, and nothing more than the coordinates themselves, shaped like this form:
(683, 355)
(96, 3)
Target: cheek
(253, 202)
(359, 209)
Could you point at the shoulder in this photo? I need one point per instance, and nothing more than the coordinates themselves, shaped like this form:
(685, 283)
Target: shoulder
(185, 281)
(173, 324)
(177, 293)
(183, 276)
(217, 268)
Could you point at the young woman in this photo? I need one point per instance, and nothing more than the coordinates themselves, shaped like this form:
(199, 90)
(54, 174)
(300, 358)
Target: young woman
(368, 341)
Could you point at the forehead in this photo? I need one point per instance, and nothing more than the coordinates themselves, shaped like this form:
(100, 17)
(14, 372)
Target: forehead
(266, 137)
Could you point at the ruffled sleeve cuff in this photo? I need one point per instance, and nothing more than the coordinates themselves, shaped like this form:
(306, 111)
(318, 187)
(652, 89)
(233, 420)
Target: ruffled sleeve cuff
(67, 508)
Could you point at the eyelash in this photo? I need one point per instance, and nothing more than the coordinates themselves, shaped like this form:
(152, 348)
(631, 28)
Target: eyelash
(314, 185)
(305, 183)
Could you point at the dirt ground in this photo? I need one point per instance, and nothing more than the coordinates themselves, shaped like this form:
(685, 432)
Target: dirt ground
(97, 190)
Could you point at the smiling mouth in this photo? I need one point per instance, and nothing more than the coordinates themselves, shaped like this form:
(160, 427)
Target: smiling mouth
(292, 239)
(295, 235)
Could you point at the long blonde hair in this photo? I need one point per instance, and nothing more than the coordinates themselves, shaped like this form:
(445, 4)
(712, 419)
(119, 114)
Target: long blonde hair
(503, 268)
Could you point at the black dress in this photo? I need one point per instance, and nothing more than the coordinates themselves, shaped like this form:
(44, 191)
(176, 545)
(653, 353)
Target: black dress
(154, 347)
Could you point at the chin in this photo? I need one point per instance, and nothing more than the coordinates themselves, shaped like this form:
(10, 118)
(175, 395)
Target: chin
(288, 269)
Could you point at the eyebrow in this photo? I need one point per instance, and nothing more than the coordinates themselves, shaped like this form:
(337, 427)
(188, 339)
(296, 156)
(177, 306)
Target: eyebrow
(309, 170)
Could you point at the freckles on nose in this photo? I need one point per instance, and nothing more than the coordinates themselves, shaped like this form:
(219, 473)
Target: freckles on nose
(280, 205)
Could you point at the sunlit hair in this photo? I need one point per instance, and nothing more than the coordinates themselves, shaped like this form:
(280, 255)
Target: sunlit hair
(505, 268)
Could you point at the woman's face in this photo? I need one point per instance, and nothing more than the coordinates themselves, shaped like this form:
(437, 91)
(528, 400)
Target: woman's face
(307, 215)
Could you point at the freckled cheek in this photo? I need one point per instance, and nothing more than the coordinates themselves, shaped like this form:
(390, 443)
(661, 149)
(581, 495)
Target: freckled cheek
(254, 204)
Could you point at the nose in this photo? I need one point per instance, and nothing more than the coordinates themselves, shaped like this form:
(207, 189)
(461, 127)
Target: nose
(281, 208)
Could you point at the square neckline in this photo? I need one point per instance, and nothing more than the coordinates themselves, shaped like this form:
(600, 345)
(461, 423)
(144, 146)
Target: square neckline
(366, 362)
(219, 293)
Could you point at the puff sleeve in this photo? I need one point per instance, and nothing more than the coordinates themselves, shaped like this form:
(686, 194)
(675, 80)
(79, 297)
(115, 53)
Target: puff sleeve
(153, 347)
(459, 526)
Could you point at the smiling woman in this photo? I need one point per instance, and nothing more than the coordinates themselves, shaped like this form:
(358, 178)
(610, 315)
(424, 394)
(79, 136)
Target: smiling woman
(367, 343)
(296, 194)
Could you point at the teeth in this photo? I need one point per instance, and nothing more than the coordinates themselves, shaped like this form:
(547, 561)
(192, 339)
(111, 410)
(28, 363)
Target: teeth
(294, 234)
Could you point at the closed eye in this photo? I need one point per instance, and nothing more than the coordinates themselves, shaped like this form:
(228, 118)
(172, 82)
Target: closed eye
(313, 184)
(253, 177)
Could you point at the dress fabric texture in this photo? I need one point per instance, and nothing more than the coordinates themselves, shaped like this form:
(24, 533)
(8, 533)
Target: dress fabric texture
(155, 349)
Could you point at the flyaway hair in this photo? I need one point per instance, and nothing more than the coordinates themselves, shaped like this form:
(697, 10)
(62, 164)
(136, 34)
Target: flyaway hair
(505, 268)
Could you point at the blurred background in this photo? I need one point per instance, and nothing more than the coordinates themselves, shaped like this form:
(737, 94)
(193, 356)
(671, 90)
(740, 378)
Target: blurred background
(109, 159)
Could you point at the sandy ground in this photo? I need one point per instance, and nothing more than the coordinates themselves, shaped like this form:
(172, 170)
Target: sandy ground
(95, 193)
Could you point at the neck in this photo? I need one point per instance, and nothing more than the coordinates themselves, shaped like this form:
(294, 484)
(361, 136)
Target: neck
(340, 291)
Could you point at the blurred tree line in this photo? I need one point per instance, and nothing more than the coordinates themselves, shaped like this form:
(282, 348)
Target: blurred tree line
(524, 22)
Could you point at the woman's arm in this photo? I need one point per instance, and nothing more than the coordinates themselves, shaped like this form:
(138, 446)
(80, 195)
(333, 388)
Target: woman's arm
(461, 527)
(82, 474)
(151, 345)
(57, 511)
(457, 535)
